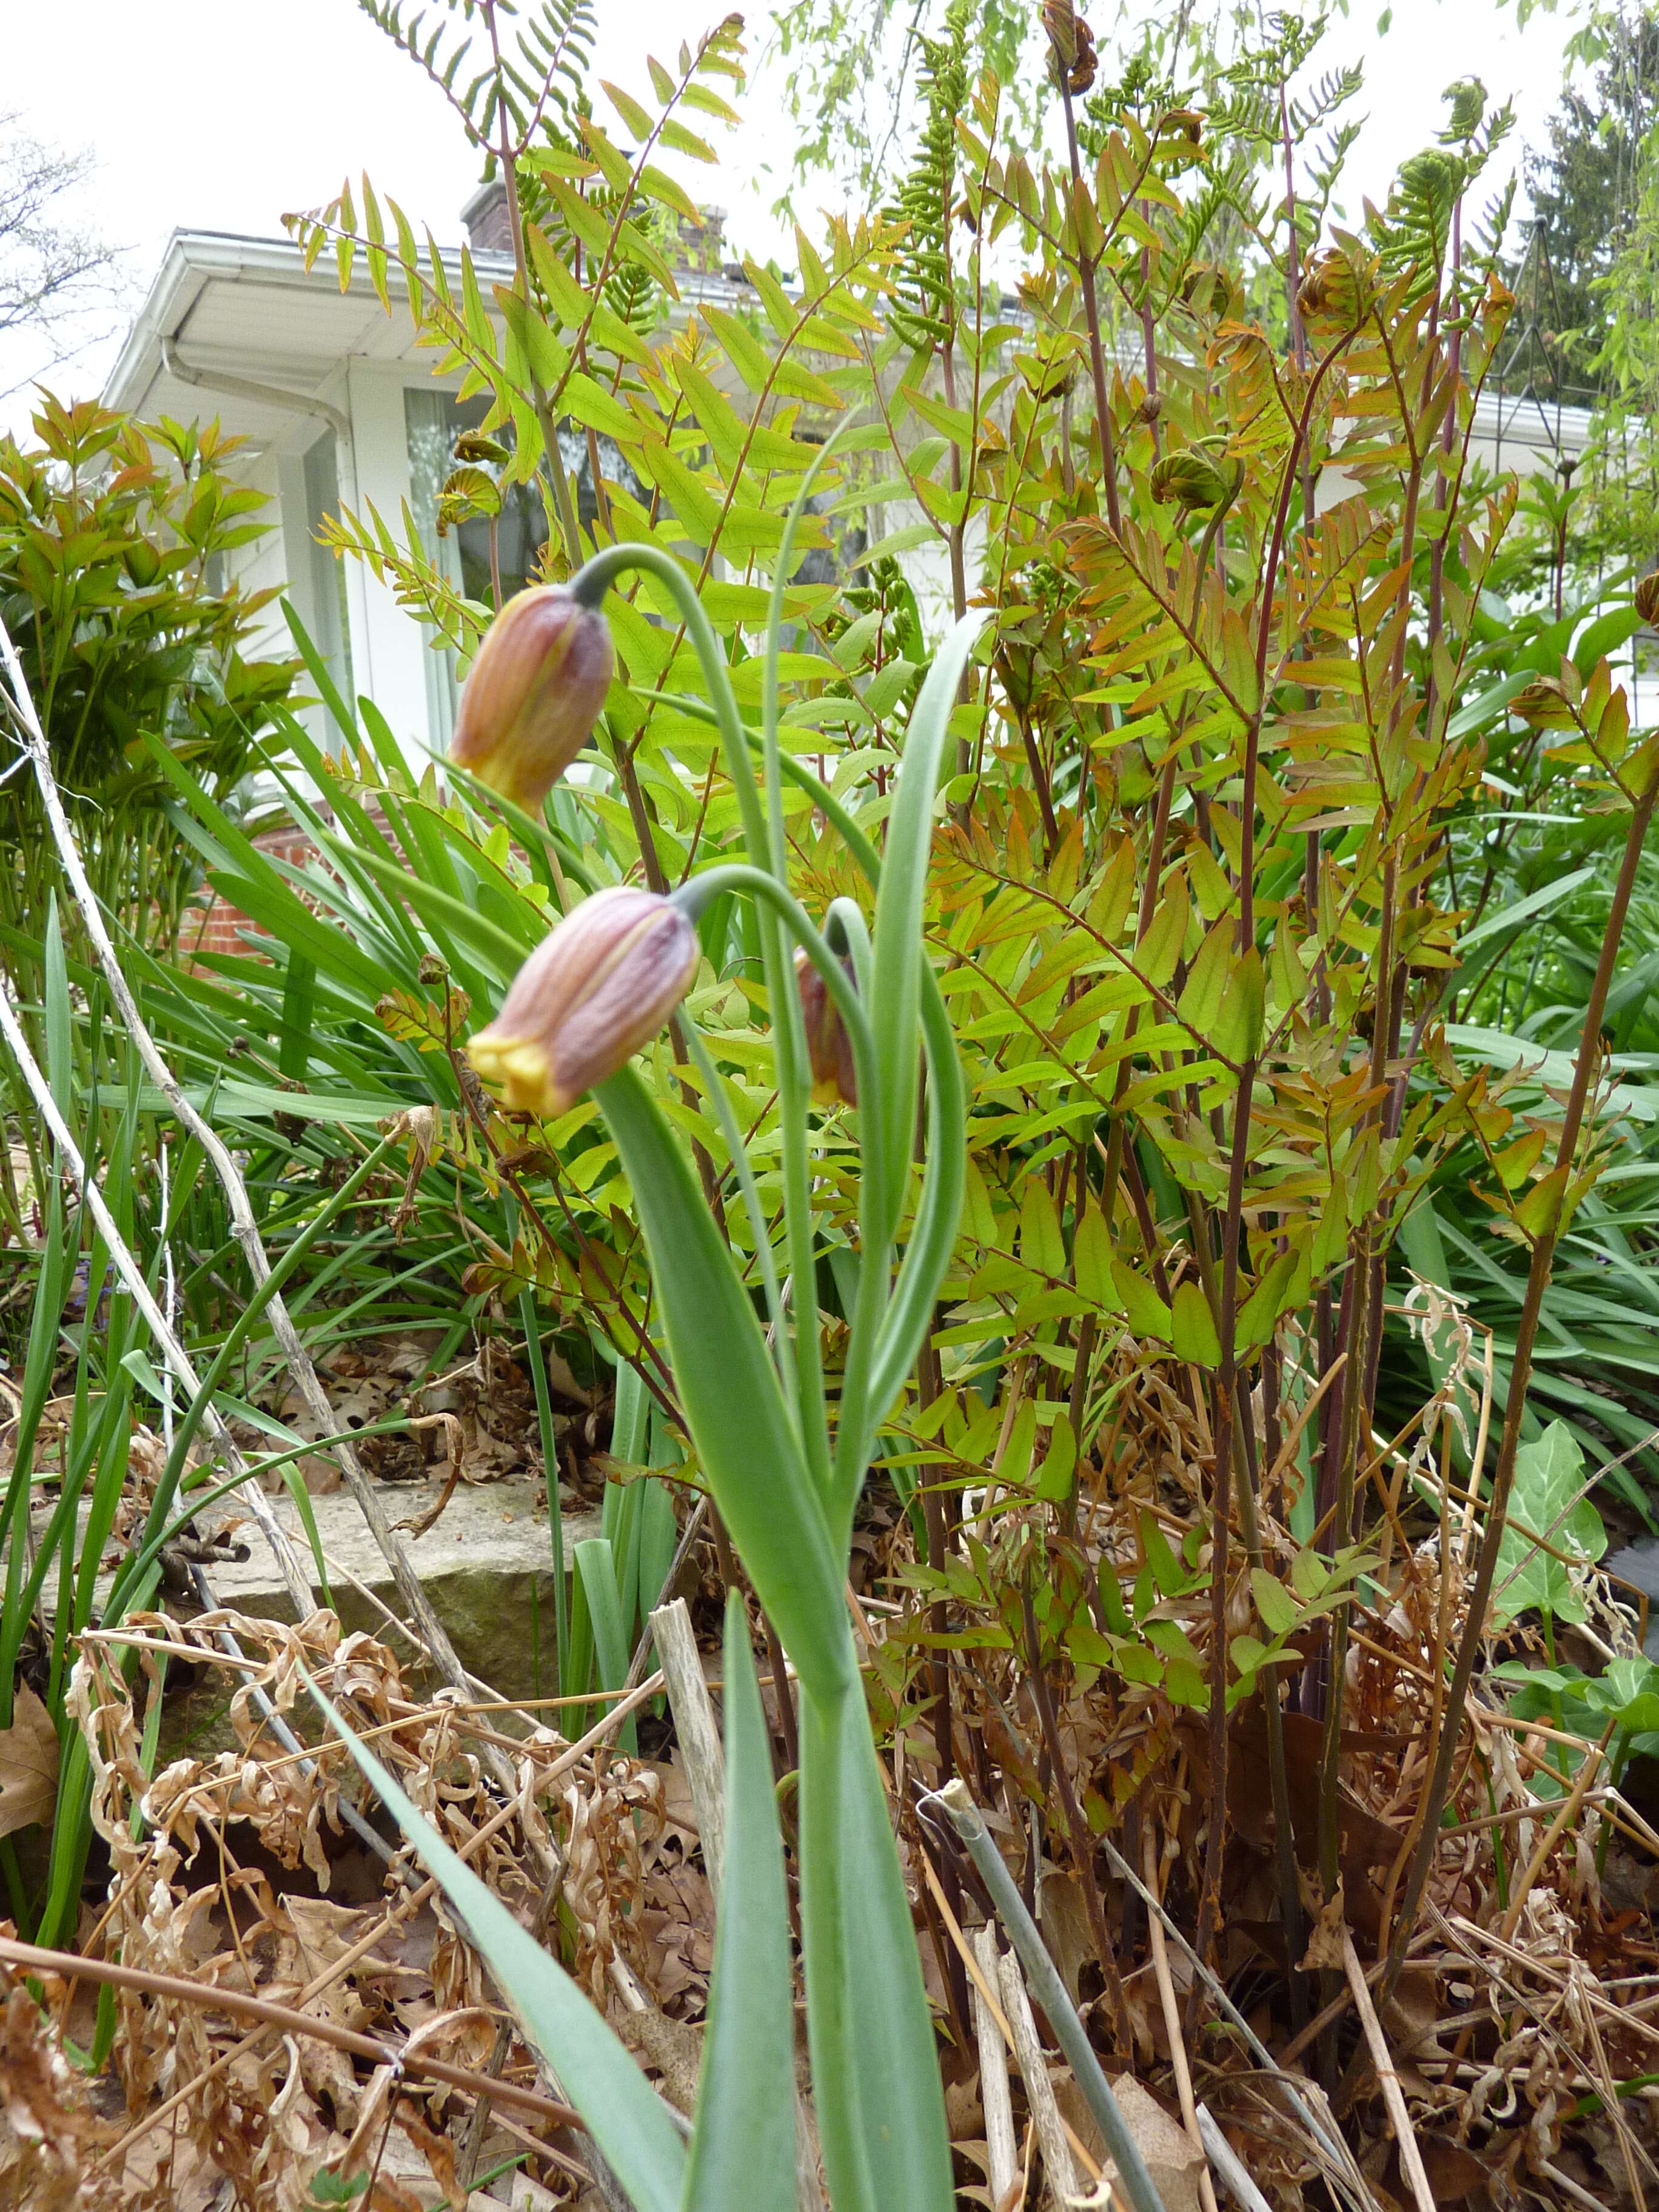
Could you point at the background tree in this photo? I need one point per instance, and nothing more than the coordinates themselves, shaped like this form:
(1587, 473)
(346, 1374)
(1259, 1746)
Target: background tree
(53, 272)
(1585, 187)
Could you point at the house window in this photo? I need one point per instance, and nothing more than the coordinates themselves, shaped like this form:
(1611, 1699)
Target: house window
(330, 624)
(433, 421)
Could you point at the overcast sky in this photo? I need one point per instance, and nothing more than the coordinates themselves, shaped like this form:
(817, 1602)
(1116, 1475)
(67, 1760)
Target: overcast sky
(222, 114)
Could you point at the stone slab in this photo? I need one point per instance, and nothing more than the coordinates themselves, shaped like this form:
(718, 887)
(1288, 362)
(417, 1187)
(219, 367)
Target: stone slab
(486, 1565)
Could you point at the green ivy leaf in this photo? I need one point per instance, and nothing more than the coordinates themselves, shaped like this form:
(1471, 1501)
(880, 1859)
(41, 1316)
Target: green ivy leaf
(1548, 1475)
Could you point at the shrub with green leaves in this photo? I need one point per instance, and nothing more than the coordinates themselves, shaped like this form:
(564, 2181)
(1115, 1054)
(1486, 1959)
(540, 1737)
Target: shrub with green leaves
(114, 536)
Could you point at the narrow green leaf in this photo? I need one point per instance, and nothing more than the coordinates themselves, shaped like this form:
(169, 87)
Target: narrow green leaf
(627, 2119)
(875, 2070)
(895, 996)
(744, 2149)
(633, 116)
(596, 1564)
(729, 1391)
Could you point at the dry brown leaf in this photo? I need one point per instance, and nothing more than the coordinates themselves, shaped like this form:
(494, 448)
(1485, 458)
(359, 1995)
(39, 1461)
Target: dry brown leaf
(1066, 1929)
(1173, 2159)
(43, 2137)
(1325, 1943)
(28, 1765)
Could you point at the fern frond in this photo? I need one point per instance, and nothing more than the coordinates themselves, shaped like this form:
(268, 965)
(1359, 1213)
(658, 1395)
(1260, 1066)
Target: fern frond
(534, 81)
(924, 305)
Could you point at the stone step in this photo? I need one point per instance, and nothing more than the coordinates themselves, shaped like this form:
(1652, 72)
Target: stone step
(486, 1565)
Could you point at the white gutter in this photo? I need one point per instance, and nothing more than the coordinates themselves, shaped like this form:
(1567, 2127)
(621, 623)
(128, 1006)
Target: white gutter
(245, 387)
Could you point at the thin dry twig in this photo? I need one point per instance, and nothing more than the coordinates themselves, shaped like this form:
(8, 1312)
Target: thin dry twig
(1405, 2136)
(29, 1958)
(1166, 1997)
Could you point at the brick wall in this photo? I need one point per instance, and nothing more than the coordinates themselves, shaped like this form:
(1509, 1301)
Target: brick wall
(213, 925)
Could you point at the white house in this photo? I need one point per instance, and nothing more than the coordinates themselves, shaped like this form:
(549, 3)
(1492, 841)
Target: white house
(339, 405)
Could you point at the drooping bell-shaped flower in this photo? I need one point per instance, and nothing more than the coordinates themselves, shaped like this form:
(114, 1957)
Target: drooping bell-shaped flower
(828, 1048)
(602, 984)
(533, 694)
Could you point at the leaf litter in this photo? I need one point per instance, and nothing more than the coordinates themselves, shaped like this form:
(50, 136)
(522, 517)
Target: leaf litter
(1524, 2030)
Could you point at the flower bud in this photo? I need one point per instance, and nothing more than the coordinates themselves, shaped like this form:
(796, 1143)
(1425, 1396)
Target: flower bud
(828, 1048)
(476, 445)
(1646, 596)
(600, 987)
(1334, 291)
(1209, 291)
(537, 682)
(1194, 480)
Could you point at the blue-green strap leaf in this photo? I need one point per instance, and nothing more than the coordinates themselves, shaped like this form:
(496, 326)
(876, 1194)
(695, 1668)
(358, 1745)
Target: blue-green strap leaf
(625, 2115)
(744, 2149)
(939, 1212)
(728, 1391)
(902, 897)
(875, 2065)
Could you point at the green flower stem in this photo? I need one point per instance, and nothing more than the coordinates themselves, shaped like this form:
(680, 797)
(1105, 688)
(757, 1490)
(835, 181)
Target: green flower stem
(746, 1184)
(844, 917)
(938, 1209)
(910, 1308)
(826, 1955)
(789, 1029)
(589, 586)
(832, 809)
(713, 882)
(854, 1431)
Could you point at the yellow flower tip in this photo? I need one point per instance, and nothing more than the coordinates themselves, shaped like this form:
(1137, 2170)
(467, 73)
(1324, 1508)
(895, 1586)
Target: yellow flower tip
(520, 1070)
(507, 773)
(595, 991)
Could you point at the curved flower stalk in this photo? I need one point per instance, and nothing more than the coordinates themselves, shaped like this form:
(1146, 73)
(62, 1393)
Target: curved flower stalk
(606, 980)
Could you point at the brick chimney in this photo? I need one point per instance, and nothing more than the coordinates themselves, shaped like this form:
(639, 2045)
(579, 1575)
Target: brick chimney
(488, 228)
